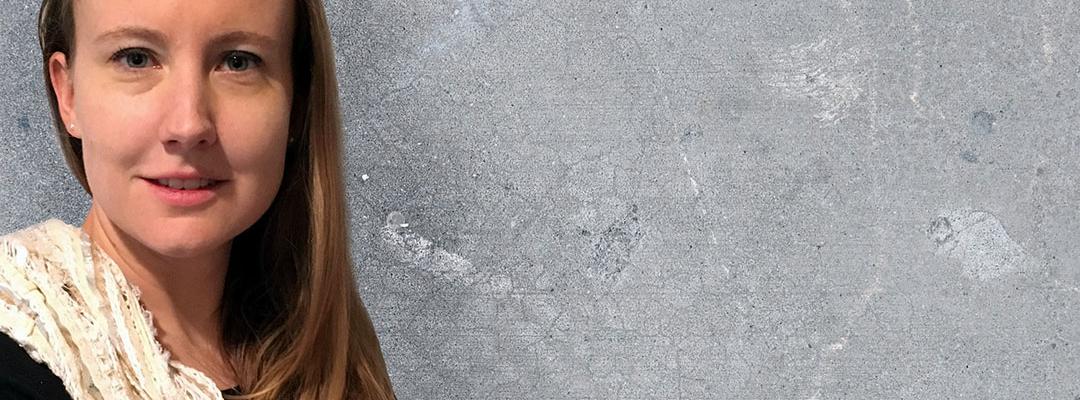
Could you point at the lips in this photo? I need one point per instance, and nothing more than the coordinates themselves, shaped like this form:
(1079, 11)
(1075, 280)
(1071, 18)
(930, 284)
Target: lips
(187, 184)
(185, 198)
(185, 173)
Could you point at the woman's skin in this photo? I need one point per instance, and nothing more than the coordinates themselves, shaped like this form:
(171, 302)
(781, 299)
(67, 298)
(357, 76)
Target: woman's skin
(192, 98)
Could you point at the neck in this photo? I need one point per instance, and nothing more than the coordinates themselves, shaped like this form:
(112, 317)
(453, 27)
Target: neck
(183, 294)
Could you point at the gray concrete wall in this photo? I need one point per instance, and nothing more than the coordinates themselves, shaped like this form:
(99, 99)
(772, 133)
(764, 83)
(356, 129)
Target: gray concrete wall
(691, 200)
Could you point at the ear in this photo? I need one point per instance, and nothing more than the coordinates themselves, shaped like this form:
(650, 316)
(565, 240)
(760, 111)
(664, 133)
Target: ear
(60, 77)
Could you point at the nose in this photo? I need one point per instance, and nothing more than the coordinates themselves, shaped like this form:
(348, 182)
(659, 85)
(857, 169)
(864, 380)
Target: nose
(189, 118)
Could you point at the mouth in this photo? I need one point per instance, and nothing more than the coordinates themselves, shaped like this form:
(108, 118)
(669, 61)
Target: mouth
(185, 184)
(185, 193)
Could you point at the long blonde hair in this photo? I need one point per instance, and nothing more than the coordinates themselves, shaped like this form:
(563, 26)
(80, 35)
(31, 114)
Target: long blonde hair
(293, 322)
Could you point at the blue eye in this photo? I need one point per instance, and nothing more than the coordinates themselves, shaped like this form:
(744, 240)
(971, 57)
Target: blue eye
(134, 58)
(240, 61)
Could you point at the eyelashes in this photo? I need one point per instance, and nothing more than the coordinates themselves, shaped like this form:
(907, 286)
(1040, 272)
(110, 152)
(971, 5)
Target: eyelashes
(138, 58)
(127, 55)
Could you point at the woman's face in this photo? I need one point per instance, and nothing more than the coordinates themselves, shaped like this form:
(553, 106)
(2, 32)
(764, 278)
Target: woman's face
(160, 89)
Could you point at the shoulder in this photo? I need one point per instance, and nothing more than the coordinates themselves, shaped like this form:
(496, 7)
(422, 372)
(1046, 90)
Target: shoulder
(52, 240)
(70, 308)
(47, 253)
(40, 302)
(21, 377)
(37, 266)
(33, 261)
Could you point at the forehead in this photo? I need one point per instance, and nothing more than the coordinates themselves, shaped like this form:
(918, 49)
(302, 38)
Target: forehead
(186, 20)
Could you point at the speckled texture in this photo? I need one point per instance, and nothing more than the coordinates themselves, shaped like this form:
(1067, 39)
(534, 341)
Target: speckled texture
(693, 199)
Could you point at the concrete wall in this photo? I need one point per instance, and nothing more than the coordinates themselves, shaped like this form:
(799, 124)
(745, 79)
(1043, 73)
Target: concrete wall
(691, 199)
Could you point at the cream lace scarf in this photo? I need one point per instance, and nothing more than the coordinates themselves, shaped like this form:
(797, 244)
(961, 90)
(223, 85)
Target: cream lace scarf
(67, 303)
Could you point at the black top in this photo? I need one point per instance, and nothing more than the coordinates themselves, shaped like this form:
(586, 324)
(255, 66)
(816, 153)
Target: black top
(22, 378)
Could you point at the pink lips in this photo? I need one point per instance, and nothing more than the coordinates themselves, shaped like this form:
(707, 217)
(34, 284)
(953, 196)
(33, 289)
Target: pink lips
(183, 197)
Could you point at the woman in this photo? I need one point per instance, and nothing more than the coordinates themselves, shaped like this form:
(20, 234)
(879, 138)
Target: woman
(214, 257)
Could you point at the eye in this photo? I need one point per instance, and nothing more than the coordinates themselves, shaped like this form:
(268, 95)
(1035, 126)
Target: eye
(240, 61)
(134, 58)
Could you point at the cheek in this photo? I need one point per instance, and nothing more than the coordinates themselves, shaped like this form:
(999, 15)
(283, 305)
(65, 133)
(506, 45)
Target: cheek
(254, 133)
(105, 110)
(108, 107)
(116, 133)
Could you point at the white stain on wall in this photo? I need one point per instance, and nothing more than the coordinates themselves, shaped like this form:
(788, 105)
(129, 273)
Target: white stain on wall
(838, 345)
(824, 71)
(468, 20)
(418, 251)
(978, 240)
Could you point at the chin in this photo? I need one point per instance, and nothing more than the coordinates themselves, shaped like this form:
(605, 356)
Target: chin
(183, 250)
(182, 242)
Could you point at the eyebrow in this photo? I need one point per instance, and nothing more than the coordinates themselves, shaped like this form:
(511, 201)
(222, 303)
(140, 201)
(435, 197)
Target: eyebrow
(159, 38)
